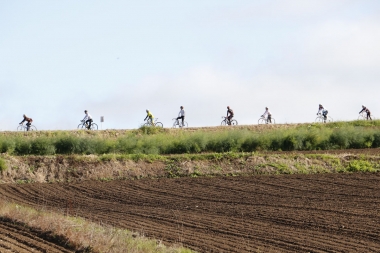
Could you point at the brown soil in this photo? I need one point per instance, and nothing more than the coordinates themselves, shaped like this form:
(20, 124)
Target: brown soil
(21, 239)
(284, 213)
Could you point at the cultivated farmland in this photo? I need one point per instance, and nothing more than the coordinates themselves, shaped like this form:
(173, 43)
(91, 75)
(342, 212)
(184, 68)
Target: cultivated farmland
(294, 213)
(322, 194)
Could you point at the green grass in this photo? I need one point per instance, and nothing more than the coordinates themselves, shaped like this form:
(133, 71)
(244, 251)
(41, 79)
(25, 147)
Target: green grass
(3, 165)
(158, 141)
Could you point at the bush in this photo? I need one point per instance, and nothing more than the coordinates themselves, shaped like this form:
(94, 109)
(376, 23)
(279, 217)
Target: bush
(67, 145)
(42, 146)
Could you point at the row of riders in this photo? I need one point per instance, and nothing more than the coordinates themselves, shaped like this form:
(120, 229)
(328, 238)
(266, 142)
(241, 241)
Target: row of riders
(181, 116)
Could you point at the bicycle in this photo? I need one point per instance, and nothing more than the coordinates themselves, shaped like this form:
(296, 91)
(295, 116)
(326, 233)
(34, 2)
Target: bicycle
(21, 127)
(264, 120)
(149, 123)
(363, 116)
(84, 125)
(321, 119)
(229, 123)
(178, 123)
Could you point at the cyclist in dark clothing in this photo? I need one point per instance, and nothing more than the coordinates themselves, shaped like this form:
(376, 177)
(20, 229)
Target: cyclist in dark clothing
(230, 114)
(365, 109)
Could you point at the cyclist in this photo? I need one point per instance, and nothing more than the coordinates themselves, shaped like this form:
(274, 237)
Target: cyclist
(230, 114)
(181, 115)
(365, 109)
(323, 111)
(150, 116)
(88, 119)
(269, 115)
(27, 119)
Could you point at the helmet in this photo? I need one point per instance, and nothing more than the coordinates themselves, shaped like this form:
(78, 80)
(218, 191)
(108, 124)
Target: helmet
(85, 111)
(266, 107)
(24, 115)
(181, 107)
(147, 110)
(228, 107)
(363, 106)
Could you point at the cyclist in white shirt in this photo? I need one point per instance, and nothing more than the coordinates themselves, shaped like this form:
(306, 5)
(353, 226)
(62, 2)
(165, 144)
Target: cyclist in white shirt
(181, 115)
(267, 112)
(88, 119)
(323, 111)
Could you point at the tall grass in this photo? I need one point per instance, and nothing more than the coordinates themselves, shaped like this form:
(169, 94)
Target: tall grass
(338, 135)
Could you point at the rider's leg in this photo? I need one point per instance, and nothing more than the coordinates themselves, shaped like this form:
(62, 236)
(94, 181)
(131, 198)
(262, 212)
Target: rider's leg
(229, 119)
(183, 121)
(269, 118)
(28, 126)
(151, 121)
(88, 122)
(325, 114)
(369, 116)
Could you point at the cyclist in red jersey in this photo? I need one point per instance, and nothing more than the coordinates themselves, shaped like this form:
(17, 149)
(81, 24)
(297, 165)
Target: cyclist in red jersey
(28, 120)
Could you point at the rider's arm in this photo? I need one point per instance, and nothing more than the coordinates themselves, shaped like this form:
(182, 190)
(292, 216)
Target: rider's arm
(22, 121)
(265, 113)
(362, 110)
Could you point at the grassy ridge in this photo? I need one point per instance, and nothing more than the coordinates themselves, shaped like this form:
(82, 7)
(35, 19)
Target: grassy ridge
(338, 135)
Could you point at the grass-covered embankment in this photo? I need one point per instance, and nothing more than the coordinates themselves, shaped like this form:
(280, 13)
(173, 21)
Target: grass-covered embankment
(72, 168)
(337, 135)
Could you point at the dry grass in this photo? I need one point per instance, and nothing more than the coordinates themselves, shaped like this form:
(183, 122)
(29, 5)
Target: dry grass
(83, 234)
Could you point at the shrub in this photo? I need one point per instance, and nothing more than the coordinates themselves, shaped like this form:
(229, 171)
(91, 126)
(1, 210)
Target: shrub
(359, 165)
(67, 145)
(23, 147)
(42, 146)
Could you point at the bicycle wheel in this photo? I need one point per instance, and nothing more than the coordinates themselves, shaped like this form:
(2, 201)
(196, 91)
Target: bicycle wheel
(272, 121)
(94, 126)
(329, 119)
(81, 126)
(319, 120)
(158, 124)
(223, 123)
(21, 128)
(234, 122)
(261, 121)
(184, 124)
(175, 124)
(361, 117)
(32, 128)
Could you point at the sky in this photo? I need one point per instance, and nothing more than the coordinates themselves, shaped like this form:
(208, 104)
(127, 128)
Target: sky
(117, 58)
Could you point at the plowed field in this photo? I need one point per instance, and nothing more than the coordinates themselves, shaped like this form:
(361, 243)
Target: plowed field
(17, 238)
(285, 213)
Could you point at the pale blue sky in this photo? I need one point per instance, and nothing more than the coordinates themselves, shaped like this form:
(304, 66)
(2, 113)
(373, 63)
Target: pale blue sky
(117, 58)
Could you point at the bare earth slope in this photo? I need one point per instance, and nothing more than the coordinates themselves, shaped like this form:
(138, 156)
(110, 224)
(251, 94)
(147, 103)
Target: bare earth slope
(286, 213)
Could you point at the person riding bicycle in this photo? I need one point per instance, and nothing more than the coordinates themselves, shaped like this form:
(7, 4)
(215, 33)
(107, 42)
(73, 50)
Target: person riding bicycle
(150, 116)
(267, 112)
(88, 119)
(365, 109)
(323, 111)
(181, 115)
(27, 119)
(230, 114)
